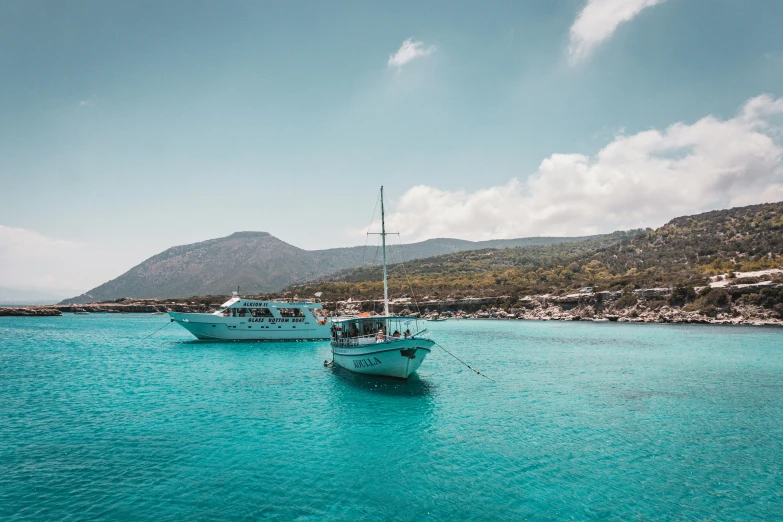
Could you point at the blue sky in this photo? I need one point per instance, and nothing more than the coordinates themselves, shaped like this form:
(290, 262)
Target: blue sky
(126, 128)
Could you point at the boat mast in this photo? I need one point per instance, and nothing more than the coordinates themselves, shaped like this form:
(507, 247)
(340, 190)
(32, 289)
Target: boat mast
(383, 243)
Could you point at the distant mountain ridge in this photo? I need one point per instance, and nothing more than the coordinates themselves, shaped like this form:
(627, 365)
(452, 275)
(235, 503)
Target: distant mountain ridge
(258, 262)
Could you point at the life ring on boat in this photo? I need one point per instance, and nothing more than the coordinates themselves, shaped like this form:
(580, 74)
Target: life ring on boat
(322, 322)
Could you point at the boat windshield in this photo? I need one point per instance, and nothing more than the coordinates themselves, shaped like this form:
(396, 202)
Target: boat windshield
(375, 329)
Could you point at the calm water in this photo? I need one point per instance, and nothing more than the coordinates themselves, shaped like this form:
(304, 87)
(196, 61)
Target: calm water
(586, 421)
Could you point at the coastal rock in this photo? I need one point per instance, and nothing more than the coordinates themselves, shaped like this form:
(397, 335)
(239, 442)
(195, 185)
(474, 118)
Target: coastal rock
(29, 311)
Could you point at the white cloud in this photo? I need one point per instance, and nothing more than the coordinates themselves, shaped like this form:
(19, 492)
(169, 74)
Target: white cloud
(88, 102)
(31, 263)
(598, 20)
(30, 259)
(408, 51)
(635, 181)
(36, 262)
(21, 243)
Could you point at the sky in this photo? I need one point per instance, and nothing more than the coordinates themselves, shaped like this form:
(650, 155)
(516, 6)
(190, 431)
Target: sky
(130, 127)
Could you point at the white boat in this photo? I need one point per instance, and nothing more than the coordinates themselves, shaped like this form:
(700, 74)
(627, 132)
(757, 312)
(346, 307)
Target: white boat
(240, 319)
(378, 345)
(364, 345)
(437, 319)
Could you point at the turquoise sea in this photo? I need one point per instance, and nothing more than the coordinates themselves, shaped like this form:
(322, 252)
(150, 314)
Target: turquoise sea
(586, 421)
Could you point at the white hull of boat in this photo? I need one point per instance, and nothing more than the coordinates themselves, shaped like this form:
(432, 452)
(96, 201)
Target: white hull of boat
(395, 358)
(214, 327)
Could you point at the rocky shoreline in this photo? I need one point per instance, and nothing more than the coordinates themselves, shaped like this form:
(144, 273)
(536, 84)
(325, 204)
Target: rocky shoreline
(131, 306)
(29, 311)
(742, 304)
(751, 316)
(652, 305)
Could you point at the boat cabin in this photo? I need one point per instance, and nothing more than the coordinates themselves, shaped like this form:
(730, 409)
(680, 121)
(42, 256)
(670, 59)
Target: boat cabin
(276, 310)
(358, 331)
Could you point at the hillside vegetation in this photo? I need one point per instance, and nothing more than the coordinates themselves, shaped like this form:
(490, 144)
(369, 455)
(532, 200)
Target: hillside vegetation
(259, 262)
(682, 253)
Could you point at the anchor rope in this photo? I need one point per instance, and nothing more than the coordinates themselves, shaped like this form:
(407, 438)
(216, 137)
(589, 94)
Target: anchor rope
(463, 362)
(158, 330)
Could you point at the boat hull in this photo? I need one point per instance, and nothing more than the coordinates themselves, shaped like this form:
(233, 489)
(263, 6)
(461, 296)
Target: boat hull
(213, 327)
(396, 358)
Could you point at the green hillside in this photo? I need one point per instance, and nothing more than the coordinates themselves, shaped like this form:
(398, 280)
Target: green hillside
(685, 251)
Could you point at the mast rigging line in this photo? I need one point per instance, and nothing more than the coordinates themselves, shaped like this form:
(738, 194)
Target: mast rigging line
(383, 242)
(402, 267)
(367, 236)
(383, 235)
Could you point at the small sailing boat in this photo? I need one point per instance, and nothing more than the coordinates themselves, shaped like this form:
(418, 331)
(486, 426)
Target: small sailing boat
(380, 345)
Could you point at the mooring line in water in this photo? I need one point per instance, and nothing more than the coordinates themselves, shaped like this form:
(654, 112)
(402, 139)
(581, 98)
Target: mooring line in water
(466, 364)
(158, 330)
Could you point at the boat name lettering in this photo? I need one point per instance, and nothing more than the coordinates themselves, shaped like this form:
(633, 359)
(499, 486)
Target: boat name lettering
(252, 304)
(284, 320)
(366, 363)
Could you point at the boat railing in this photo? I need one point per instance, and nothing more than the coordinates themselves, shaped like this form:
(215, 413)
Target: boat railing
(362, 340)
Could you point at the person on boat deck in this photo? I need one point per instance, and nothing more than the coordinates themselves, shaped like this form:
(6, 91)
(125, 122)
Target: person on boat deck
(381, 336)
(396, 333)
(407, 332)
(354, 331)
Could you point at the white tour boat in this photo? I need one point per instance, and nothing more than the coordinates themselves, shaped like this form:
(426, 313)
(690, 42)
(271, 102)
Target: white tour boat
(380, 345)
(240, 319)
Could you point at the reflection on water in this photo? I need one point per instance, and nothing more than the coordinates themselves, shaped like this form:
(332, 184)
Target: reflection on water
(414, 386)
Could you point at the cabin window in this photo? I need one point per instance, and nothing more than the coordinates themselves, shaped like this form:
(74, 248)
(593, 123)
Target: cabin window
(291, 312)
(243, 312)
(261, 312)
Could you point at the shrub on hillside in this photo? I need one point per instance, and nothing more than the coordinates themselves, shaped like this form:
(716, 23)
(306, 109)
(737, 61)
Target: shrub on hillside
(716, 297)
(682, 295)
(711, 301)
(626, 301)
(748, 280)
(710, 311)
(770, 298)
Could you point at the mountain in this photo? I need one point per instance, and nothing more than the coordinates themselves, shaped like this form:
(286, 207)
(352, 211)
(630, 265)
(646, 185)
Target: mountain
(684, 252)
(258, 262)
